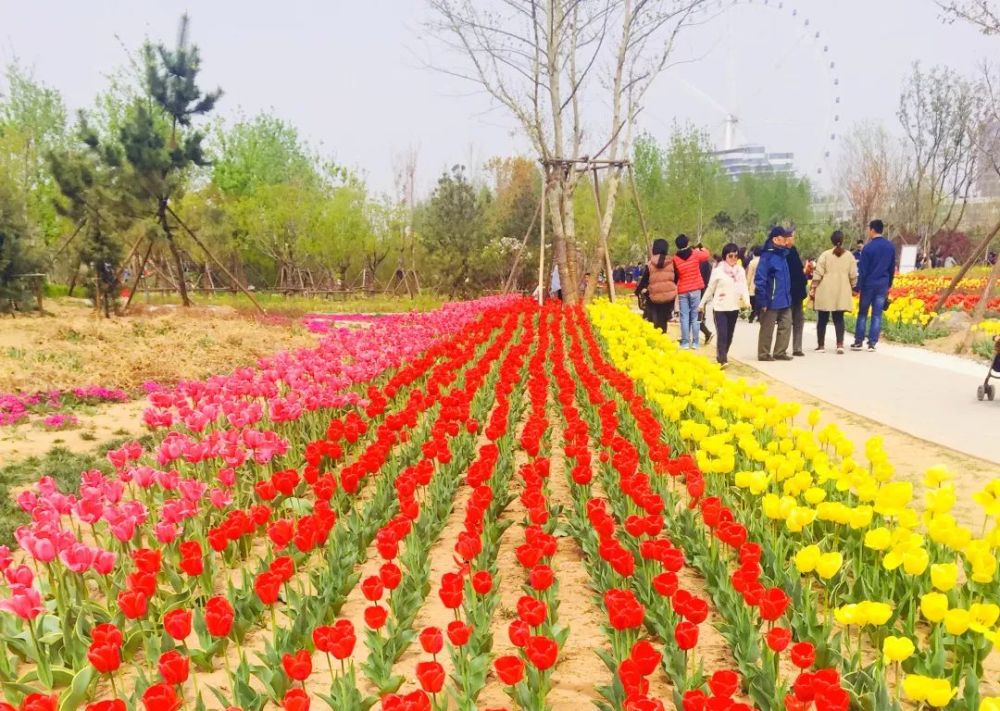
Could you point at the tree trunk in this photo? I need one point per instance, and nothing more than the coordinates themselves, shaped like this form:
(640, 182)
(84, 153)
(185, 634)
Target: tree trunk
(979, 312)
(607, 216)
(178, 263)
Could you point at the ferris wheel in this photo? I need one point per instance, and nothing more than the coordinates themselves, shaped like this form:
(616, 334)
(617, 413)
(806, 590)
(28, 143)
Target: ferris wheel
(799, 59)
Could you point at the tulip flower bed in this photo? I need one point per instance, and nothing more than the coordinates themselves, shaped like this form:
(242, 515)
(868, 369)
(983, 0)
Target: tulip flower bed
(328, 530)
(926, 287)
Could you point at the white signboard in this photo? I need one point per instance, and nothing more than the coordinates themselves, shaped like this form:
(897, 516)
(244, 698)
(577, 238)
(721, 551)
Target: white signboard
(907, 258)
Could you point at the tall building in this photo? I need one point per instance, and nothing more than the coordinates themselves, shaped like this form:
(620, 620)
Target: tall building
(754, 159)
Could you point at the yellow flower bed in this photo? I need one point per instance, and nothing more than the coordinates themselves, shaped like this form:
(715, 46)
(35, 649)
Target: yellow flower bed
(887, 554)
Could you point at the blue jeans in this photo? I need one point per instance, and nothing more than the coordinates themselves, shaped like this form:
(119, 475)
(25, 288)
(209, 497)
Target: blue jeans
(874, 300)
(688, 302)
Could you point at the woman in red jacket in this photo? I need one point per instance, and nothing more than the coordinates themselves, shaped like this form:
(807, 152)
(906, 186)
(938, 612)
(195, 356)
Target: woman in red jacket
(687, 267)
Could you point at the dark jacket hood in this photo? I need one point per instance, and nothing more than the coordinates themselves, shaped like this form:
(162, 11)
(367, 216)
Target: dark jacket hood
(684, 253)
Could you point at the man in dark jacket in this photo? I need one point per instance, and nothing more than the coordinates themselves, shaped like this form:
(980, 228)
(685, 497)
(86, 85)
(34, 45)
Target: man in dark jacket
(797, 281)
(875, 273)
(774, 298)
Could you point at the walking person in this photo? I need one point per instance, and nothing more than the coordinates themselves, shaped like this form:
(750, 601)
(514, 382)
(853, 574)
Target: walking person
(875, 274)
(706, 269)
(659, 283)
(687, 266)
(833, 281)
(555, 286)
(774, 298)
(727, 292)
(799, 290)
(751, 273)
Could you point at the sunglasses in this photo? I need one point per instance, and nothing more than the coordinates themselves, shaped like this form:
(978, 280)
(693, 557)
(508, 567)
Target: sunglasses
(732, 255)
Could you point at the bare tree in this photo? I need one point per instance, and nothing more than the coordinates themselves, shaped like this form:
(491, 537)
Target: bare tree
(869, 172)
(984, 14)
(405, 167)
(546, 62)
(938, 110)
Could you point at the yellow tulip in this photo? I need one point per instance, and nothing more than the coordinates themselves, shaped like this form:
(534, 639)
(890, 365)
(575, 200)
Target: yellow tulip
(944, 576)
(814, 495)
(934, 606)
(860, 517)
(915, 561)
(940, 693)
(807, 559)
(989, 703)
(878, 539)
(813, 417)
(937, 475)
(956, 621)
(984, 614)
(828, 565)
(875, 613)
(897, 649)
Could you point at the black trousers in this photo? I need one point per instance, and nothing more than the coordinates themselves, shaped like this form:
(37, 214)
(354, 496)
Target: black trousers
(725, 327)
(659, 314)
(753, 310)
(822, 318)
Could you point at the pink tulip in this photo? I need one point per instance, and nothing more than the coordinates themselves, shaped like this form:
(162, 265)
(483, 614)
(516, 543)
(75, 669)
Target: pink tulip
(77, 557)
(19, 575)
(227, 476)
(166, 532)
(25, 602)
(104, 562)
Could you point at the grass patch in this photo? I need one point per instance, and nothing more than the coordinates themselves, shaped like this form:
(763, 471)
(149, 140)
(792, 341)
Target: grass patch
(896, 332)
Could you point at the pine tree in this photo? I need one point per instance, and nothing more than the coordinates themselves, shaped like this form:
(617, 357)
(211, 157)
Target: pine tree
(158, 143)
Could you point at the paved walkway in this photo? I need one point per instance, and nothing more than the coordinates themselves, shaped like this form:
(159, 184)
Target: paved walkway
(929, 395)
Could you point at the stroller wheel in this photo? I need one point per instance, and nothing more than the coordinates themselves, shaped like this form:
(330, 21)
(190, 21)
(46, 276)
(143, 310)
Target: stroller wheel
(980, 392)
(991, 391)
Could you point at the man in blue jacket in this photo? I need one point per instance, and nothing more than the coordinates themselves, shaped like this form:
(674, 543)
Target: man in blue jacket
(773, 297)
(875, 272)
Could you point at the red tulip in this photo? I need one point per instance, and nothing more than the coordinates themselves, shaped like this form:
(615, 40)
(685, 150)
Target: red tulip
(295, 700)
(541, 652)
(146, 560)
(694, 700)
(432, 640)
(109, 705)
(40, 702)
(778, 638)
(532, 610)
(803, 655)
(773, 604)
(794, 703)
(267, 585)
(104, 657)
(431, 676)
(219, 616)
(177, 624)
(665, 584)
(458, 632)
(283, 567)
(482, 582)
(724, 683)
(132, 603)
(519, 633)
(541, 577)
(297, 666)
(375, 616)
(624, 610)
(344, 639)
(390, 575)
(686, 635)
(106, 633)
(174, 667)
(161, 697)
(645, 656)
(510, 669)
(372, 588)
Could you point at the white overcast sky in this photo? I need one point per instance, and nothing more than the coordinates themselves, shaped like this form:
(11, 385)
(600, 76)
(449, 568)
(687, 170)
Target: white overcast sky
(347, 73)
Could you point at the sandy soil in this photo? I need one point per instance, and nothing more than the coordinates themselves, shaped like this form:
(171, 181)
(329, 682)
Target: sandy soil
(97, 424)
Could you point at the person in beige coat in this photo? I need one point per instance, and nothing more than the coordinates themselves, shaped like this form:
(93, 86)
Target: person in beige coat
(832, 283)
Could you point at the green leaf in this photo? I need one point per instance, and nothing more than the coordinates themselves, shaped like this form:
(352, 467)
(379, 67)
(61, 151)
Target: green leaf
(78, 689)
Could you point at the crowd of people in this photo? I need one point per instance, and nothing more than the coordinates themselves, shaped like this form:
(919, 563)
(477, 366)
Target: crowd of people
(770, 284)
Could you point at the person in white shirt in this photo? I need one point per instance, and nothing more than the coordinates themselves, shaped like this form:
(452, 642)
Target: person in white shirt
(727, 292)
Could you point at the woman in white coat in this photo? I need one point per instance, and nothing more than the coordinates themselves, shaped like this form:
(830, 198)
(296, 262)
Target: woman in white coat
(727, 292)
